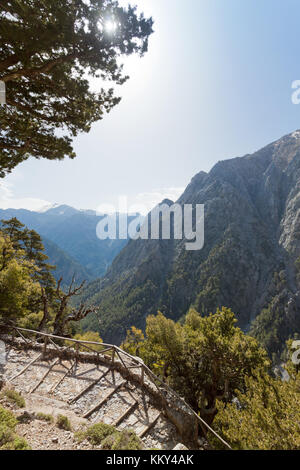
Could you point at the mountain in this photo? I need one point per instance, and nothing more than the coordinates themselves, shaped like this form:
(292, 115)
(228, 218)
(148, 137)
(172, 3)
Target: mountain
(74, 234)
(66, 266)
(248, 263)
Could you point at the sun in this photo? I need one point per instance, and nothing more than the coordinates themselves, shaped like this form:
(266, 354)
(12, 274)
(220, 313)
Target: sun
(110, 26)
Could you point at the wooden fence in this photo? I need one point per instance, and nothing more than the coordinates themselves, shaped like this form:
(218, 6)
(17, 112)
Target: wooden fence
(111, 354)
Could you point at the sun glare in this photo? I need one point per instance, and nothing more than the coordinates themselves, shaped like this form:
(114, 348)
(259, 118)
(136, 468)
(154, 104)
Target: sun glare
(110, 26)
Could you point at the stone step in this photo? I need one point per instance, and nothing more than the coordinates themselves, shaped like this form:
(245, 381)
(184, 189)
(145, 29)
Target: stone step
(104, 400)
(29, 377)
(77, 380)
(125, 414)
(90, 386)
(42, 381)
(96, 392)
(113, 409)
(53, 372)
(78, 389)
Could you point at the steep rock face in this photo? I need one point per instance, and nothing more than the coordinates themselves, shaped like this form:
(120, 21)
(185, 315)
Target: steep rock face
(252, 230)
(66, 266)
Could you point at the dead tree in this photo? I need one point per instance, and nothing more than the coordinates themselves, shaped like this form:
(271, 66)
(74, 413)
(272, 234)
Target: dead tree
(76, 315)
(63, 317)
(45, 302)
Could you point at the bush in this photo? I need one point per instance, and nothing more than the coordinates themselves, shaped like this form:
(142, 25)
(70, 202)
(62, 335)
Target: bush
(98, 432)
(14, 397)
(18, 443)
(266, 417)
(124, 440)
(7, 418)
(21, 444)
(6, 434)
(87, 336)
(110, 438)
(80, 436)
(44, 417)
(63, 422)
(8, 439)
(109, 441)
(127, 440)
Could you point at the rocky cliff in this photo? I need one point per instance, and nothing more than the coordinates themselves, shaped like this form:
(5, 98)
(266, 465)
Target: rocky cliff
(248, 263)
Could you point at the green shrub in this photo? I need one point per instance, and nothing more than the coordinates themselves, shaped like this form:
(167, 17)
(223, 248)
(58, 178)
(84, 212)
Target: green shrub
(63, 422)
(7, 418)
(14, 397)
(122, 440)
(98, 432)
(21, 444)
(128, 440)
(109, 441)
(87, 336)
(44, 417)
(6, 434)
(110, 438)
(18, 443)
(8, 439)
(80, 436)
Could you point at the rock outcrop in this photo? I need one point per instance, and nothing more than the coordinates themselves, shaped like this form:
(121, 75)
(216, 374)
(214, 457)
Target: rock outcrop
(252, 232)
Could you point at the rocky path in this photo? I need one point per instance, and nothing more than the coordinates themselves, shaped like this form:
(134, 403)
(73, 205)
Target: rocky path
(86, 394)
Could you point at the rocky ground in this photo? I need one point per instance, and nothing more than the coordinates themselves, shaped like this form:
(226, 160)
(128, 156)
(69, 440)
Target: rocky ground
(43, 435)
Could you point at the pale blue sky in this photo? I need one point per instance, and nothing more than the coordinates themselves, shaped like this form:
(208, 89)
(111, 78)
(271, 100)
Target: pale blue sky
(215, 84)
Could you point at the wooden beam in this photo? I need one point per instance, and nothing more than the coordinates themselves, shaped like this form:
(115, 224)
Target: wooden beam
(104, 350)
(23, 337)
(46, 341)
(142, 376)
(91, 385)
(113, 356)
(126, 414)
(27, 367)
(62, 378)
(104, 400)
(120, 357)
(44, 376)
(149, 427)
(54, 344)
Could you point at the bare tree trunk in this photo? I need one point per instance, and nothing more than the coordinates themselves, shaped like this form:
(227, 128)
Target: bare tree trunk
(63, 317)
(45, 310)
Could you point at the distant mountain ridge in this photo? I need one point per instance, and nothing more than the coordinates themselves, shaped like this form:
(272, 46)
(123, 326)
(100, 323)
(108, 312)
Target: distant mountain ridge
(248, 263)
(70, 240)
(66, 266)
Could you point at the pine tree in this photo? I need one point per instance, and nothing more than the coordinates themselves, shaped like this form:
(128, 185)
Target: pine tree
(204, 359)
(29, 294)
(265, 416)
(47, 49)
(19, 292)
(31, 243)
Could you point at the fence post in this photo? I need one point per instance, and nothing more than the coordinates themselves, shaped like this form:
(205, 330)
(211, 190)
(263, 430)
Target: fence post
(45, 346)
(77, 351)
(142, 375)
(113, 356)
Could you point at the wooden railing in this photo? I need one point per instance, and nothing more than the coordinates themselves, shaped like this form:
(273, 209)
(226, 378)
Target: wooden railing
(113, 353)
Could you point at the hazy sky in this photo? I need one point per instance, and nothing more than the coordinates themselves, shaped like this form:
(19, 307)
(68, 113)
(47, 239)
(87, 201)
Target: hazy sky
(215, 84)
